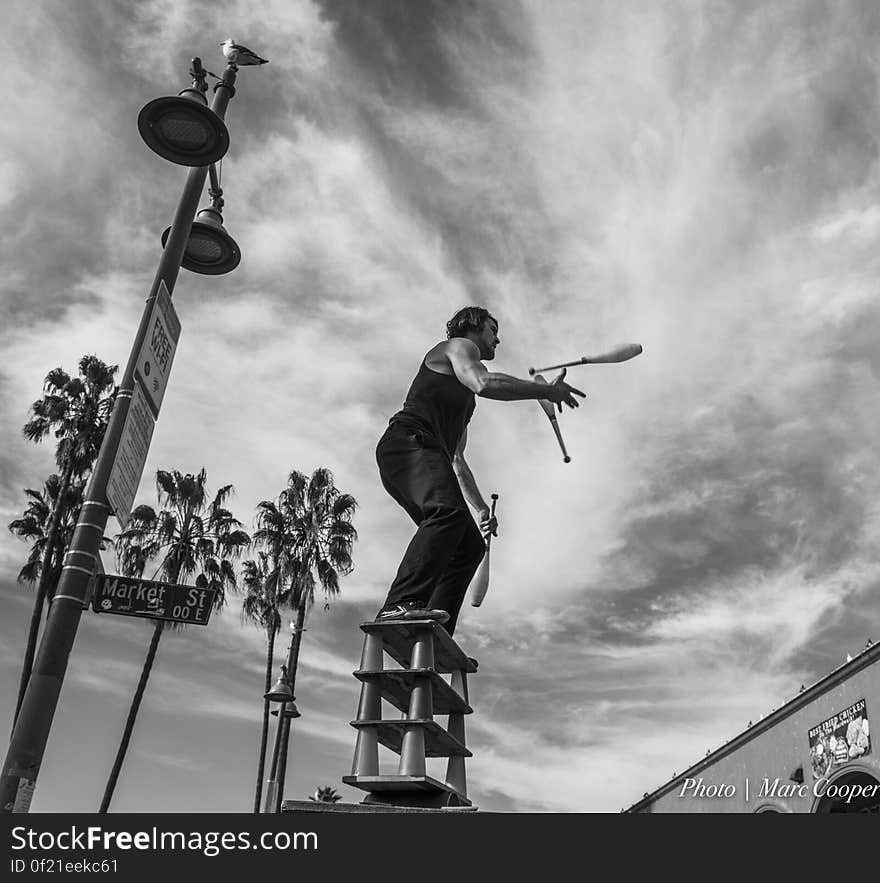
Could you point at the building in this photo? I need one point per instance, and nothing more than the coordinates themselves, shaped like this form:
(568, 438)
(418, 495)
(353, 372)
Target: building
(813, 754)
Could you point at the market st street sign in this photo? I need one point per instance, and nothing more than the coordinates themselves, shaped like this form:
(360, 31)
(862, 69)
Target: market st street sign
(153, 600)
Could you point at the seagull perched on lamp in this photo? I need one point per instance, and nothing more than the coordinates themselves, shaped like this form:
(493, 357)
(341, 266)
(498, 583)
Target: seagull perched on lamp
(236, 54)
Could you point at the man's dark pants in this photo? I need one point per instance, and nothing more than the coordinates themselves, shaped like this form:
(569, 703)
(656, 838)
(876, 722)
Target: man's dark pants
(447, 548)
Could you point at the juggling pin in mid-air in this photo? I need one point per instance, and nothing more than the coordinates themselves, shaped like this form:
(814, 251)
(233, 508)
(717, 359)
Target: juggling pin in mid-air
(623, 352)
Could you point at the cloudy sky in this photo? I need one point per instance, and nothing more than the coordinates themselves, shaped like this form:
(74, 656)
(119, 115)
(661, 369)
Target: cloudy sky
(699, 177)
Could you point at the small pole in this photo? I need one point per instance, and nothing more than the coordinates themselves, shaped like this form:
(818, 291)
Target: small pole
(282, 759)
(272, 782)
(275, 785)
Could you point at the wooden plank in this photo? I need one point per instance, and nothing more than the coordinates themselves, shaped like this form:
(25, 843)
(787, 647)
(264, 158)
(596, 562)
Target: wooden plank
(396, 685)
(311, 806)
(397, 787)
(438, 743)
(399, 635)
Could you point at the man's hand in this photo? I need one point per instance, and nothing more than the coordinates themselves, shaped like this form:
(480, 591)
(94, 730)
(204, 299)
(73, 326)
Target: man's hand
(488, 525)
(560, 392)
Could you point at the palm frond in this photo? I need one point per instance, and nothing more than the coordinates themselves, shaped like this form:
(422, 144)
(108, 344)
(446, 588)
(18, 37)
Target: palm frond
(131, 559)
(57, 378)
(340, 555)
(37, 428)
(28, 527)
(166, 486)
(342, 530)
(235, 542)
(294, 495)
(30, 572)
(227, 573)
(145, 515)
(328, 577)
(343, 507)
(196, 525)
(203, 543)
(166, 526)
(221, 496)
(35, 495)
(98, 375)
(268, 518)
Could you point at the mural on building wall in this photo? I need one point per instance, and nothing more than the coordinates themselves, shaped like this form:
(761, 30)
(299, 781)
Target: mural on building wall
(843, 737)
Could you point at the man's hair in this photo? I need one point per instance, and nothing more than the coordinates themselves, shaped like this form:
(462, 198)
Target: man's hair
(467, 319)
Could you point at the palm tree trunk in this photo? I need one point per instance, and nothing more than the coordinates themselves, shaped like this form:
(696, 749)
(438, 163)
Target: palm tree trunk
(132, 715)
(264, 737)
(283, 720)
(298, 629)
(46, 571)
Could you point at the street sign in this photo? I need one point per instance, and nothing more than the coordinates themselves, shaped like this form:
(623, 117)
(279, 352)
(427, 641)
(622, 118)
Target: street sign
(151, 377)
(157, 351)
(129, 596)
(131, 455)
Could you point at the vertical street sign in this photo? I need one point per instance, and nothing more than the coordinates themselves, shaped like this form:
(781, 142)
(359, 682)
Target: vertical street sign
(131, 455)
(151, 373)
(157, 352)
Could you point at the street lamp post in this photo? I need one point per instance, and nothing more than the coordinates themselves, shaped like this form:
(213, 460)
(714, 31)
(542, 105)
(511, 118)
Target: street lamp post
(287, 712)
(286, 715)
(284, 722)
(31, 733)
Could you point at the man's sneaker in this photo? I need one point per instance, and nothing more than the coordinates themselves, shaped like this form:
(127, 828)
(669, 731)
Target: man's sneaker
(410, 610)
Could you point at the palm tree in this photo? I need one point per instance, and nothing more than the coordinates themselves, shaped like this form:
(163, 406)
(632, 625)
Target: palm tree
(77, 410)
(34, 523)
(325, 795)
(190, 537)
(316, 519)
(265, 595)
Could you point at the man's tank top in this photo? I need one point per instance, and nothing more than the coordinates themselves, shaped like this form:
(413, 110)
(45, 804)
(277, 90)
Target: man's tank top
(438, 406)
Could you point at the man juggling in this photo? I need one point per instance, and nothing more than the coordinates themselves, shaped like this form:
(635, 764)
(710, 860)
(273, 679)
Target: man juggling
(422, 465)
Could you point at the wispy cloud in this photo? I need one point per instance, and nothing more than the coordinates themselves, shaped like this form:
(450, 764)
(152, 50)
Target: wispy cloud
(700, 179)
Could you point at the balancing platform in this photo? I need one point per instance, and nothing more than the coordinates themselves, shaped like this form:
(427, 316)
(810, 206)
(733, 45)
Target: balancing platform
(425, 652)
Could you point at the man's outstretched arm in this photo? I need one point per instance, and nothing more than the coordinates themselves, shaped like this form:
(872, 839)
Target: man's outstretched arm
(464, 357)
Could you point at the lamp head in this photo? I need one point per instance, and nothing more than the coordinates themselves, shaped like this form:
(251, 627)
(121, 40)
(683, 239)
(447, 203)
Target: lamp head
(183, 130)
(281, 692)
(210, 250)
(290, 710)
